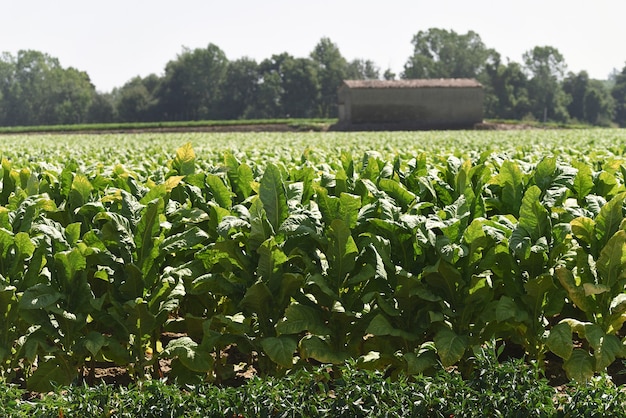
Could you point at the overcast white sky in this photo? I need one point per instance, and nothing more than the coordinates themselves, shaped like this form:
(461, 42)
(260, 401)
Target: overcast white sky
(116, 40)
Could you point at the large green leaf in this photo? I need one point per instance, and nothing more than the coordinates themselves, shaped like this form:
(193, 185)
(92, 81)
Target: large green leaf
(316, 348)
(24, 245)
(140, 320)
(185, 160)
(398, 191)
(450, 346)
(533, 230)
(215, 284)
(40, 296)
(610, 348)
(184, 241)
(445, 280)
(280, 349)
(612, 260)
(534, 218)
(147, 231)
(272, 194)
(190, 354)
(544, 172)
(583, 229)
(260, 228)
(299, 318)
(511, 179)
(302, 224)
(80, 190)
(221, 194)
(506, 309)
(579, 366)
(258, 299)
(575, 292)
(418, 363)
(349, 206)
(560, 340)
(270, 259)
(94, 341)
(68, 263)
(328, 205)
(609, 219)
(583, 182)
(8, 182)
(342, 250)
(54, 371)
(381, 326)
(240, 176)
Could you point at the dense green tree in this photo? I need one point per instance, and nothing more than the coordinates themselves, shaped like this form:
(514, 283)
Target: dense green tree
(70, 95)
(576, 85)
(301, 88)
(362, 69)
(439, 53)
(506, 91)
(590, 100)
(619, 95)
(37, 90)
(546, 67)
(191, 87)
(7, 75)
(599, 105)
(288, 87)
(136, 102)
(332, 69)
(239, 88)
(102, 109)
(389, 75)
(266, 102)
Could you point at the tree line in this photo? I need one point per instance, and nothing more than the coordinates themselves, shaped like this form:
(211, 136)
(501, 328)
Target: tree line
(202, 84)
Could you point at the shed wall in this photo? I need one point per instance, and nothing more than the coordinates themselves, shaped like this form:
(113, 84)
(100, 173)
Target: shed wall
(421, 107)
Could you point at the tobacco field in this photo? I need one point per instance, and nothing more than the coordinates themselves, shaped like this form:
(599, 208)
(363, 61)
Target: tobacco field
(200, 256)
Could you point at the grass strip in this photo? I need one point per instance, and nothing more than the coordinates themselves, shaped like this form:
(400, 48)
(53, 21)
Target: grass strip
(512, 388)
(313, 124)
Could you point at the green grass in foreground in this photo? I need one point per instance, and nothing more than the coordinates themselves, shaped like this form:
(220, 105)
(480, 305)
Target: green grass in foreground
(507, 389)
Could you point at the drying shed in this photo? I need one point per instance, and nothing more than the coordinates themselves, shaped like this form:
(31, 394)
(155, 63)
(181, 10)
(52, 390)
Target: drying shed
(419, 104)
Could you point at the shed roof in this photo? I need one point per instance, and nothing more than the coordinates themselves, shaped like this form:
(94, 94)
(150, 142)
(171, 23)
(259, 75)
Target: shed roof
(412, 83)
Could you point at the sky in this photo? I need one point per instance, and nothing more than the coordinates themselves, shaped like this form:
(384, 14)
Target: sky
(116, 40)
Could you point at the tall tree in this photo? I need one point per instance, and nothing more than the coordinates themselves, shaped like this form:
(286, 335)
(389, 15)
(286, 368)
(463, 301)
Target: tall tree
(7, 82)
(439, 53)
(135, 101)
(102, 109)
(590, 100)
(599, 106)
(239, 88)
(191, 87)
(267, 102)
(332, 69)
(37, 90)
(576, 85)
(301, 88)
(546, 67)
(506, 91)
(288, 87)
(619, 95)
(389, 74)
(362, 69)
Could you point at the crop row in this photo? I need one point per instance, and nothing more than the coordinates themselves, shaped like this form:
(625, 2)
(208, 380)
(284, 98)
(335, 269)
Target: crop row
(402, 264)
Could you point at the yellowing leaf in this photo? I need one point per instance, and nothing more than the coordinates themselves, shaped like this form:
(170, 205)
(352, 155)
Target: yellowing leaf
(594, 289)
(172, 182)
(185, 160)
